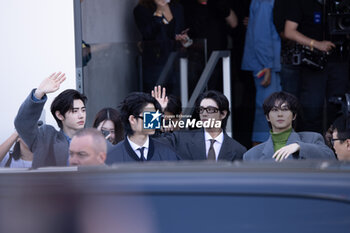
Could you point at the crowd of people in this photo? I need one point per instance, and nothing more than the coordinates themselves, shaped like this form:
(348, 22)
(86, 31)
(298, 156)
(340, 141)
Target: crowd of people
(76, 145)
(264, 37)
(283, 129)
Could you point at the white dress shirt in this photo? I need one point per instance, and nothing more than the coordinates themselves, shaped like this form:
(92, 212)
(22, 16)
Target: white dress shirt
(217, 144)
(135, 147)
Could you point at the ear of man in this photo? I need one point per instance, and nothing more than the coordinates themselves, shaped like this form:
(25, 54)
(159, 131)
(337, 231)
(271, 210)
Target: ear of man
(102, 157)
(59, 115)
(223, 114)
(132, 119)
(347, 144)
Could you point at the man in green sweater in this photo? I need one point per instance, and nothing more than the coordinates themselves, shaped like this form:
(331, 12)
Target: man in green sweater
(281, 109)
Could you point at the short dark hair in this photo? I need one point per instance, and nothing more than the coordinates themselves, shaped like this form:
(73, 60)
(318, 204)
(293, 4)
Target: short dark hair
(341, 125)
(282, 97)
(113, 115)
(220, 99)
(64, 102)
(133, 105)
(174, 105)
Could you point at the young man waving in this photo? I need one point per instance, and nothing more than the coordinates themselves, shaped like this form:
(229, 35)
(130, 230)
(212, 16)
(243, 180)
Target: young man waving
(49, 146)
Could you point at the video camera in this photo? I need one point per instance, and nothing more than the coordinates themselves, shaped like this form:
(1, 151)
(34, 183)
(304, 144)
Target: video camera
(314, 59)
(338, 12)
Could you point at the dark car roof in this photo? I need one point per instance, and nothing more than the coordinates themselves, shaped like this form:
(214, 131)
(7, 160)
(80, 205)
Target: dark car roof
(192, 196)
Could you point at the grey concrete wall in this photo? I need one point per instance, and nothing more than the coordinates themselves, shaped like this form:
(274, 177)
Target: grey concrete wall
(109, 27)
(106, 21)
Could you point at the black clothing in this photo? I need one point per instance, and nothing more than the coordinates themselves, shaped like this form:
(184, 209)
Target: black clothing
(312, 87)
(309, 16)
(279, 15)
(208, 21)
(157, 151)
(158, 42)
(152, 28)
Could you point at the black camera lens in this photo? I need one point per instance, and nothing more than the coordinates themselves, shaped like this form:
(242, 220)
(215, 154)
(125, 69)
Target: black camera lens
(344, 22)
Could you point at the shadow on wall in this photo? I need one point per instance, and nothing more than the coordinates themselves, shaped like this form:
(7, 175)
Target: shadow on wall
(109, 27)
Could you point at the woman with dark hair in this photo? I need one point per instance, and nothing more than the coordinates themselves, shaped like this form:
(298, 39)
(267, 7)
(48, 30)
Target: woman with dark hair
(108, 121)
(161, 23)
(19, 157)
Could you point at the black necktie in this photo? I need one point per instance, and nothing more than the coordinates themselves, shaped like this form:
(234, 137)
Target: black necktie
(211, 152)
(142, 157)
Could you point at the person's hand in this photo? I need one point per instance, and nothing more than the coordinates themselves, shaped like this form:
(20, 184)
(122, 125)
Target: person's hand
(267, 78)
(50, 84)
(181, 37)
(324, 45)
(245, 21)
(184, 38)
(160, 96)
(285, 151)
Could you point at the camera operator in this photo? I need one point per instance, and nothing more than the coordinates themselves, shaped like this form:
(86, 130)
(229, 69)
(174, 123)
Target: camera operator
(305, 25)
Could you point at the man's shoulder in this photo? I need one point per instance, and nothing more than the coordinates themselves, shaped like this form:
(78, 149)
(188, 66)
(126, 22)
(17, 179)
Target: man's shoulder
(309, 136)
(164, 150)
(118, 147)
(48, 131)
(115, 153)
(233, 143)
(184, 135)
(190, 132)
(254, 152)
(48, 128)
(160, 145)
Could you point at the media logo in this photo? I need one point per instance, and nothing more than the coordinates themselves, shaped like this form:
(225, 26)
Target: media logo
(152, 120)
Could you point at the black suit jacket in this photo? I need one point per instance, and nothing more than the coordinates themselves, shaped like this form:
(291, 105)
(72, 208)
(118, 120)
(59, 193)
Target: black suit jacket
(157, 151)
(190, 145)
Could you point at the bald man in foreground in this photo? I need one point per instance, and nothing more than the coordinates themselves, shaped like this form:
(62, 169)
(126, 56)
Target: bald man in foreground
(87, 148)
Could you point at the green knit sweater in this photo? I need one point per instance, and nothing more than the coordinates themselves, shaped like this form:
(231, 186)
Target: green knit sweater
(280, 139)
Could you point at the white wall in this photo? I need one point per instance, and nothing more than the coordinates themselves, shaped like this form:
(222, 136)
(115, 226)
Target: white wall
(37, 39)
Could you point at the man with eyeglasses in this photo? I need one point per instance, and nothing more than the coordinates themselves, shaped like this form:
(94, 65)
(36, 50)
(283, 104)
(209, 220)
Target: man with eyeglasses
(138, 146)
(340, 139)
(284, 143)
(207, 143)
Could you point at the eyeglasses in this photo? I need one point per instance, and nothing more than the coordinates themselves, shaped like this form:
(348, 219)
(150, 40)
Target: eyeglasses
(336, 139)
(137, 116)
(208, 110)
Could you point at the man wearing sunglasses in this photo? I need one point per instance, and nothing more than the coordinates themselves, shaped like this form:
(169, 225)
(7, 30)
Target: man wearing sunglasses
(341, 138)
(281, 109)
(211, 142)
(138, 146)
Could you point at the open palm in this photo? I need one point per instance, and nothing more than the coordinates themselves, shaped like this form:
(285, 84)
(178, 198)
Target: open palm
(50, 84)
